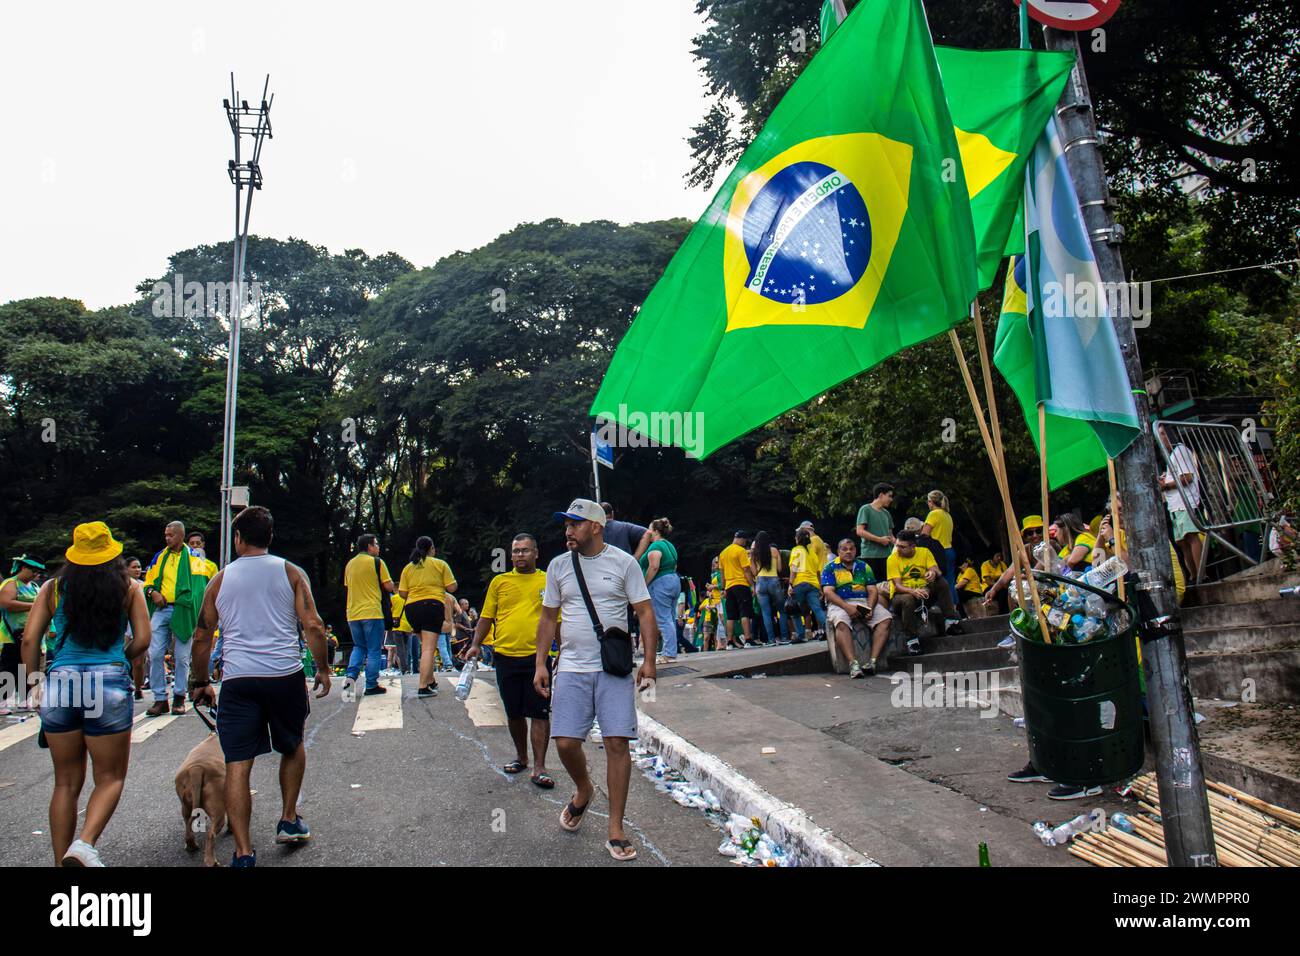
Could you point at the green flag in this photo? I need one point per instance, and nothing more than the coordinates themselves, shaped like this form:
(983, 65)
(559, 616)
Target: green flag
(839, 239)
(1056, 345)
(1000, 101)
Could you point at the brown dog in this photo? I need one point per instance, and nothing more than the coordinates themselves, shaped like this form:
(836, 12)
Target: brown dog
(201, 785)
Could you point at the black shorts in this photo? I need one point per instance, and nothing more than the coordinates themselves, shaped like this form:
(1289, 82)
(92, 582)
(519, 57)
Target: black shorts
(740, 602)
(515, 685)
(256, 714)
(426, 615)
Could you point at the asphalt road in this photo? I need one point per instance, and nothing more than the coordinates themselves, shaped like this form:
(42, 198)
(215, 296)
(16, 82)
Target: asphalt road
(427, 793)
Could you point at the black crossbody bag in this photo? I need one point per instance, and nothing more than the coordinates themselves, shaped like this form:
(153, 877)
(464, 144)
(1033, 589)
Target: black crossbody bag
(615, 643)
(385, 600)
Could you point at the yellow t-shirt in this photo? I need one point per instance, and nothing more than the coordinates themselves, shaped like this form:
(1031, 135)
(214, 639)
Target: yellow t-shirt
(803, 567)
(363, 587)
(940, 523)
(910, 570)
(426, 581)
(399, 614)
(1084, 540)
(821, 554)
(170, 562)
(968, 580)
(990, 572)
(733, 561)
(514, 603)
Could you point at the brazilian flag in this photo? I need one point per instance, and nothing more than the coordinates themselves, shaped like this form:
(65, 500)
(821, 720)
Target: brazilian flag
(843, 236)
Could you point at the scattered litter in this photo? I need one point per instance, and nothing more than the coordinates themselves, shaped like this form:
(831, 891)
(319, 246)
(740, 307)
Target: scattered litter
(758, 676)
(746, 843)
(37, 832)
(252, 793)
(1198, 717)
(836, 697)
(984, 809)
(768, 750)
(1007, 641)
(746, 677)
(358, 733)
(355, 786)
(1230, 703)
(1018, 722)
(828, 685)
(957, 750)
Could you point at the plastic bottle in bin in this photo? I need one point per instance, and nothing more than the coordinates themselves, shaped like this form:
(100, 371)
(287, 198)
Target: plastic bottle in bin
(1104, 575)
(466, 680)
(1086, 628)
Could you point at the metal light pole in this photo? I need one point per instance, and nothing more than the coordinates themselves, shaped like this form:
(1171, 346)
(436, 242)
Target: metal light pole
(255, 123)
(1184, 806)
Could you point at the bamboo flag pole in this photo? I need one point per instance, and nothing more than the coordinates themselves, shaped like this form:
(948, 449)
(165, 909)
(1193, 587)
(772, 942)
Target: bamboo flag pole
(1114, 517)
(998, 474)
(1042, 467)
(1000, 465)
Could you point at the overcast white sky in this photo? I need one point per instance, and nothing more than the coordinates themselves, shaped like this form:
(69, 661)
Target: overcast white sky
(416, 127)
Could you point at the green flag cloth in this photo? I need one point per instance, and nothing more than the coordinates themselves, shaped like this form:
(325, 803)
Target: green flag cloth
(1000, 101)
(1056, 344)
(839, 239)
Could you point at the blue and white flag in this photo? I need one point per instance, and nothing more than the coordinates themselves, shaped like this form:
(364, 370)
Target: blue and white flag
(602, 450)
(1080, 370)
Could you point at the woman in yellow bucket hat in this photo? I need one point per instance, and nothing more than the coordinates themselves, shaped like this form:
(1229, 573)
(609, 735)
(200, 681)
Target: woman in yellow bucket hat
(85, 700)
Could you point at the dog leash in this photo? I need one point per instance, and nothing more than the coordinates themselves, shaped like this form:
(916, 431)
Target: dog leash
(211, 722)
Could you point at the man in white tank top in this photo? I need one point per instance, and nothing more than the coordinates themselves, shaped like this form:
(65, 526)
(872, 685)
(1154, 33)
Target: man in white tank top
(259, 601)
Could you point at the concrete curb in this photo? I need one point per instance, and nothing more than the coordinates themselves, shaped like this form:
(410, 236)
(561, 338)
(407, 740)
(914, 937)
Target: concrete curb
(809, 844)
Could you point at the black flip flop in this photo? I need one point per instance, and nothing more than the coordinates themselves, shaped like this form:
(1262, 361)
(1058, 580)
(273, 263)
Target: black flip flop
(545, 781)
(515, 766)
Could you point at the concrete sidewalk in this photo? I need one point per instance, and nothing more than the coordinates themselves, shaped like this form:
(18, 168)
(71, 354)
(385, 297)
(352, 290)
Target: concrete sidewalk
(903, 786)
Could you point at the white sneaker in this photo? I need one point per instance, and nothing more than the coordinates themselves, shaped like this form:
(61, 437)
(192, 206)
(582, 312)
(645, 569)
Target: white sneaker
(82, 853)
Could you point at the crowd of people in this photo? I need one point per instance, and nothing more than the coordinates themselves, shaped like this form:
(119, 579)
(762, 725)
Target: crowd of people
(561, 640)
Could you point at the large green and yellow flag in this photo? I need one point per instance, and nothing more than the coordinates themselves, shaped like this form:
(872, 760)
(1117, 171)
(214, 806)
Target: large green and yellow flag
(842, 236)
(1000, 101)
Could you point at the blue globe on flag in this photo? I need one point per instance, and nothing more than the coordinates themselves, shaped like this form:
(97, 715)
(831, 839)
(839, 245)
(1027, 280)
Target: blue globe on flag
(807, 235)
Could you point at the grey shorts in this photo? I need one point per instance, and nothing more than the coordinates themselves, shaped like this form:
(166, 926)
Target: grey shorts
(578, 699)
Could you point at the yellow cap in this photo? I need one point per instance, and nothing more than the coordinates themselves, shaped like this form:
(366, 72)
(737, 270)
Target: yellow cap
(93, 543)
(1031, 521)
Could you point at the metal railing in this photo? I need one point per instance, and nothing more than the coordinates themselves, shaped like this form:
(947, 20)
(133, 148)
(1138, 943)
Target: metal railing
(1230, 499)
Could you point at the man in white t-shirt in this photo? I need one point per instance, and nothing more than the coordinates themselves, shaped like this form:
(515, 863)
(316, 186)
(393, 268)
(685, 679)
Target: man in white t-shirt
(1182, 490)
(583, 690)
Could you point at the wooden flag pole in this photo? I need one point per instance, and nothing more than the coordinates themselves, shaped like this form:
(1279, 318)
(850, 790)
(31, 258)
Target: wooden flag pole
(1000, 464)
(1042, 467)
(1114, 518)
(1017, 543)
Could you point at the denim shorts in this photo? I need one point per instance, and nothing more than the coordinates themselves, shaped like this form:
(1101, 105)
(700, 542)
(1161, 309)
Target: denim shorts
(95, 699)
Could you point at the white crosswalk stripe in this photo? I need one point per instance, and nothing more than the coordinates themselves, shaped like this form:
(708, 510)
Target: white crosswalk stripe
(19, 732)
(380, 711)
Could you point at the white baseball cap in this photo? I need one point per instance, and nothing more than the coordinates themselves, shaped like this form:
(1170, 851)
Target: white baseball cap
(583, 509)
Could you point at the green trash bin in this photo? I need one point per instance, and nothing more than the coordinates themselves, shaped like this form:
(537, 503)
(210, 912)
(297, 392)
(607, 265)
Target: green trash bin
(1083, 703)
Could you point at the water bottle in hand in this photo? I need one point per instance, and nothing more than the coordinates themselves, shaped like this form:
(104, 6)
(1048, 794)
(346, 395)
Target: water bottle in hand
(466, 680)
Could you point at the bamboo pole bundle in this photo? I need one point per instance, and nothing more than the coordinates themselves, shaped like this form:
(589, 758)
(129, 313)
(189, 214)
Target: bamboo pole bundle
(1248, 831)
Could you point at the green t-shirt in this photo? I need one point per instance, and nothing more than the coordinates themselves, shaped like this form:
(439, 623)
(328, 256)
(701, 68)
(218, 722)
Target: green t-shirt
(667, 557)
(878, 522)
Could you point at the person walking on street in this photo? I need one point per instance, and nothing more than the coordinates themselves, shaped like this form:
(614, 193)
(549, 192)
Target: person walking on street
(805, 583)
(259, 602)
(659, 565)
(85, 701)
(17, 595)
(765, 564)
(876, 530)
(738, 587)
(367, 580)
(424, 585)
(174, 583)
(511, 613)
(590, 586)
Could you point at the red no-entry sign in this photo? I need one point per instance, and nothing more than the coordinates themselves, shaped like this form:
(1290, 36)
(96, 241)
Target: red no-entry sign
(1072, 14)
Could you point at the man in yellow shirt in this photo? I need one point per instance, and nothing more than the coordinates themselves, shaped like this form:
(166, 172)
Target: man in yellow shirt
(738, 586)
(914, 572)
(511, 612)
(366, 578)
